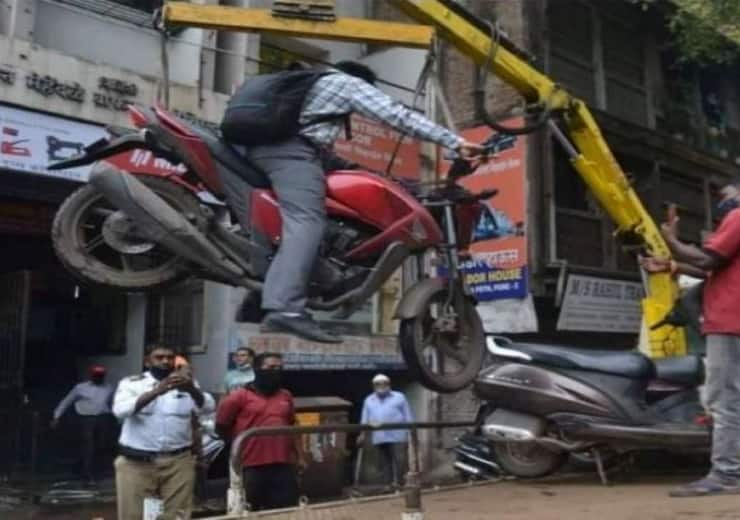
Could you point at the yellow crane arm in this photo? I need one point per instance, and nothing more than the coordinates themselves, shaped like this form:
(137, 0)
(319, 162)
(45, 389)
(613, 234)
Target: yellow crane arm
(589, 152)
(228, 18)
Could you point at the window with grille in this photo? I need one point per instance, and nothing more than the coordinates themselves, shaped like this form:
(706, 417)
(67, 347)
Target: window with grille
(175, 317)
(624, 68)
(578, 227)
(688, 196)
(571, 47)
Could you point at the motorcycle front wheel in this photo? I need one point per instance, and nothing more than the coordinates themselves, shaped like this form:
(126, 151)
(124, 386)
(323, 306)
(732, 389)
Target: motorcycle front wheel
(98, 243)
(444, 346)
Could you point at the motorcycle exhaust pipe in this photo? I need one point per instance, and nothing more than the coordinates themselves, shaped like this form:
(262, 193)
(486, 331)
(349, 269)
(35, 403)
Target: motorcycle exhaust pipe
(467, 468)
(510, 426)
(160, 221)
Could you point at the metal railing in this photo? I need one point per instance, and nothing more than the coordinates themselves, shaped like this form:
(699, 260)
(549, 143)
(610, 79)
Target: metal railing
(236, 500)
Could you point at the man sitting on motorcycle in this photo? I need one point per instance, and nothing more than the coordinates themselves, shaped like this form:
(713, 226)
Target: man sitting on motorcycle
(291, 157)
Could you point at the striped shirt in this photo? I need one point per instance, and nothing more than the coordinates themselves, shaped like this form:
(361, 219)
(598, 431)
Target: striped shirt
(340, 93)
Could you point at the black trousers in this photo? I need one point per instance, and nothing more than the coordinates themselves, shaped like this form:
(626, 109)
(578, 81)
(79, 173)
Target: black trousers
(392, 454)
(94, 436)
(272, 486)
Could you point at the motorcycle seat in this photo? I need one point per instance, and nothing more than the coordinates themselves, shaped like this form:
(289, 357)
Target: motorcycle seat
(683, 370)
(233, 157)
(632, 365)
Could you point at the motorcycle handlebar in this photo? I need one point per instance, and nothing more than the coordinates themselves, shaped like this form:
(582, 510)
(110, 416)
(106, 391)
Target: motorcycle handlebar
(493, 145)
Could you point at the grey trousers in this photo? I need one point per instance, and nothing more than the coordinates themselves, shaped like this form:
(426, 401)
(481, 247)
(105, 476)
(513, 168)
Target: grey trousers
(297, 177)
(723, 401)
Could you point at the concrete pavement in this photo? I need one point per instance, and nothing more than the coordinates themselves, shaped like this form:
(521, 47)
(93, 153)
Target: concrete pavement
(572, 498)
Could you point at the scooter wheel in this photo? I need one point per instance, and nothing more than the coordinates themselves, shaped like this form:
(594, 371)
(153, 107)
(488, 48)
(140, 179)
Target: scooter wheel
(444, 346)
(527, 460)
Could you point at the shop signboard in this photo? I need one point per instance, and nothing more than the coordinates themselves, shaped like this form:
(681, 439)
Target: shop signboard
(373, 144)
(497, 267)
(601, 305)
(356, 353)
(31, 141)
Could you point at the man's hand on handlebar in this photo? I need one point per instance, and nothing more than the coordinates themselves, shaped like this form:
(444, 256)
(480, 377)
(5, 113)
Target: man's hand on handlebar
(470, 151)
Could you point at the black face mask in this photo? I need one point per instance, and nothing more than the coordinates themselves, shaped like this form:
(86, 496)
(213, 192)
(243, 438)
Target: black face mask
(160, 373)
(267, 382)
(97, 380)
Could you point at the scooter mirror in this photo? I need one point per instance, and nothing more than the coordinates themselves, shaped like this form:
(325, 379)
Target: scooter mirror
(496, 346)
(491, 345)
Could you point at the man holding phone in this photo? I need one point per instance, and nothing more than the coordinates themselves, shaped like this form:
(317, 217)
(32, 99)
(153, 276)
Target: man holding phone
(718, 261)
(156, 445)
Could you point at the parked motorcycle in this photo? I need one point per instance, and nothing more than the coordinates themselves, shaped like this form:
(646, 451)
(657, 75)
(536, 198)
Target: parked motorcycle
(544, 402)
(142, 232)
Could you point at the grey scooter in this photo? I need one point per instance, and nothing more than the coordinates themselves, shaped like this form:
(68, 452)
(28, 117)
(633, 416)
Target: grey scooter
(545, 402)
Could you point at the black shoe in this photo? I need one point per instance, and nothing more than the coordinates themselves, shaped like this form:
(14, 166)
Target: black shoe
(708, 486)
(302, 326)
(250, 311)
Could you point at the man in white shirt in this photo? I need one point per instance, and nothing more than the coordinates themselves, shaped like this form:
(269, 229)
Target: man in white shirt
(91, 401)
(156, 444)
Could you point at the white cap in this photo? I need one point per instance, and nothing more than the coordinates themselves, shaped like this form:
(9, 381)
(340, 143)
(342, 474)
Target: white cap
(381, 378)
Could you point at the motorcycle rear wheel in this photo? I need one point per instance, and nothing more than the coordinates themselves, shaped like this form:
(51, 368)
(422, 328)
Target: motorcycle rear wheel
(444, 348)
(84, 250)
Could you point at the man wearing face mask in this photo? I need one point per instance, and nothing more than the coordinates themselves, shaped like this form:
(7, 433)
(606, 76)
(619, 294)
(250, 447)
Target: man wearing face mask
(269, 462)
(387, 406)
(92, 400)
(243, 373)
(156, 443)
(718, 261)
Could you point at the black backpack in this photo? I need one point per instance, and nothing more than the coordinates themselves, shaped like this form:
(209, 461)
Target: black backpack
(266, 108)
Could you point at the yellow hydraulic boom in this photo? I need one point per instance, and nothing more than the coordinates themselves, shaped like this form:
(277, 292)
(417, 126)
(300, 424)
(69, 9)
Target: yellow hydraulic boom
(582, 139)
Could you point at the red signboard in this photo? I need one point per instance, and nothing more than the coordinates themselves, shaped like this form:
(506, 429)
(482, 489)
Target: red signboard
(372, 146)
(498, 267)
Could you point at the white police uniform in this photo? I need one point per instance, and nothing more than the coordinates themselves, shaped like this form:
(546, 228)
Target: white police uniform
(156, 447)
(164, 424)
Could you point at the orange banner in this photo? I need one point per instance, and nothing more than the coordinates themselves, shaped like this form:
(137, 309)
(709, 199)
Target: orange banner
(372, 146)
(498, 267)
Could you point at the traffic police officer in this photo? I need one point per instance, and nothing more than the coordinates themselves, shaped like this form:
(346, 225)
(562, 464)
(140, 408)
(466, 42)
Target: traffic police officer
(156, 443)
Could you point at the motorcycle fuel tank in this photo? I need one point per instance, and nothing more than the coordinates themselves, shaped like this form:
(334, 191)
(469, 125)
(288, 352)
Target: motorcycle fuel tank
(366, 198)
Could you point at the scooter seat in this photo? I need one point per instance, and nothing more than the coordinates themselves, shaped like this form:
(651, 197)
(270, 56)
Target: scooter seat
(682, 370)
(632, 365)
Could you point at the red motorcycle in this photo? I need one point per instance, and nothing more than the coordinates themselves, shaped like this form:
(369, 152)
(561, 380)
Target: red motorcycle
(141, 232)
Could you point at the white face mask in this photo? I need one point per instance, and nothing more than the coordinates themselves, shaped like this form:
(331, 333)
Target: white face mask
(382, 390)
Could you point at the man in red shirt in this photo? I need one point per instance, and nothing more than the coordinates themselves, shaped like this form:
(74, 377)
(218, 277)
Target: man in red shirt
(719, 262)
(269, 462)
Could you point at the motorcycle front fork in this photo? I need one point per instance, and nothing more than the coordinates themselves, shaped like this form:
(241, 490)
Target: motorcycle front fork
(457, 288)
